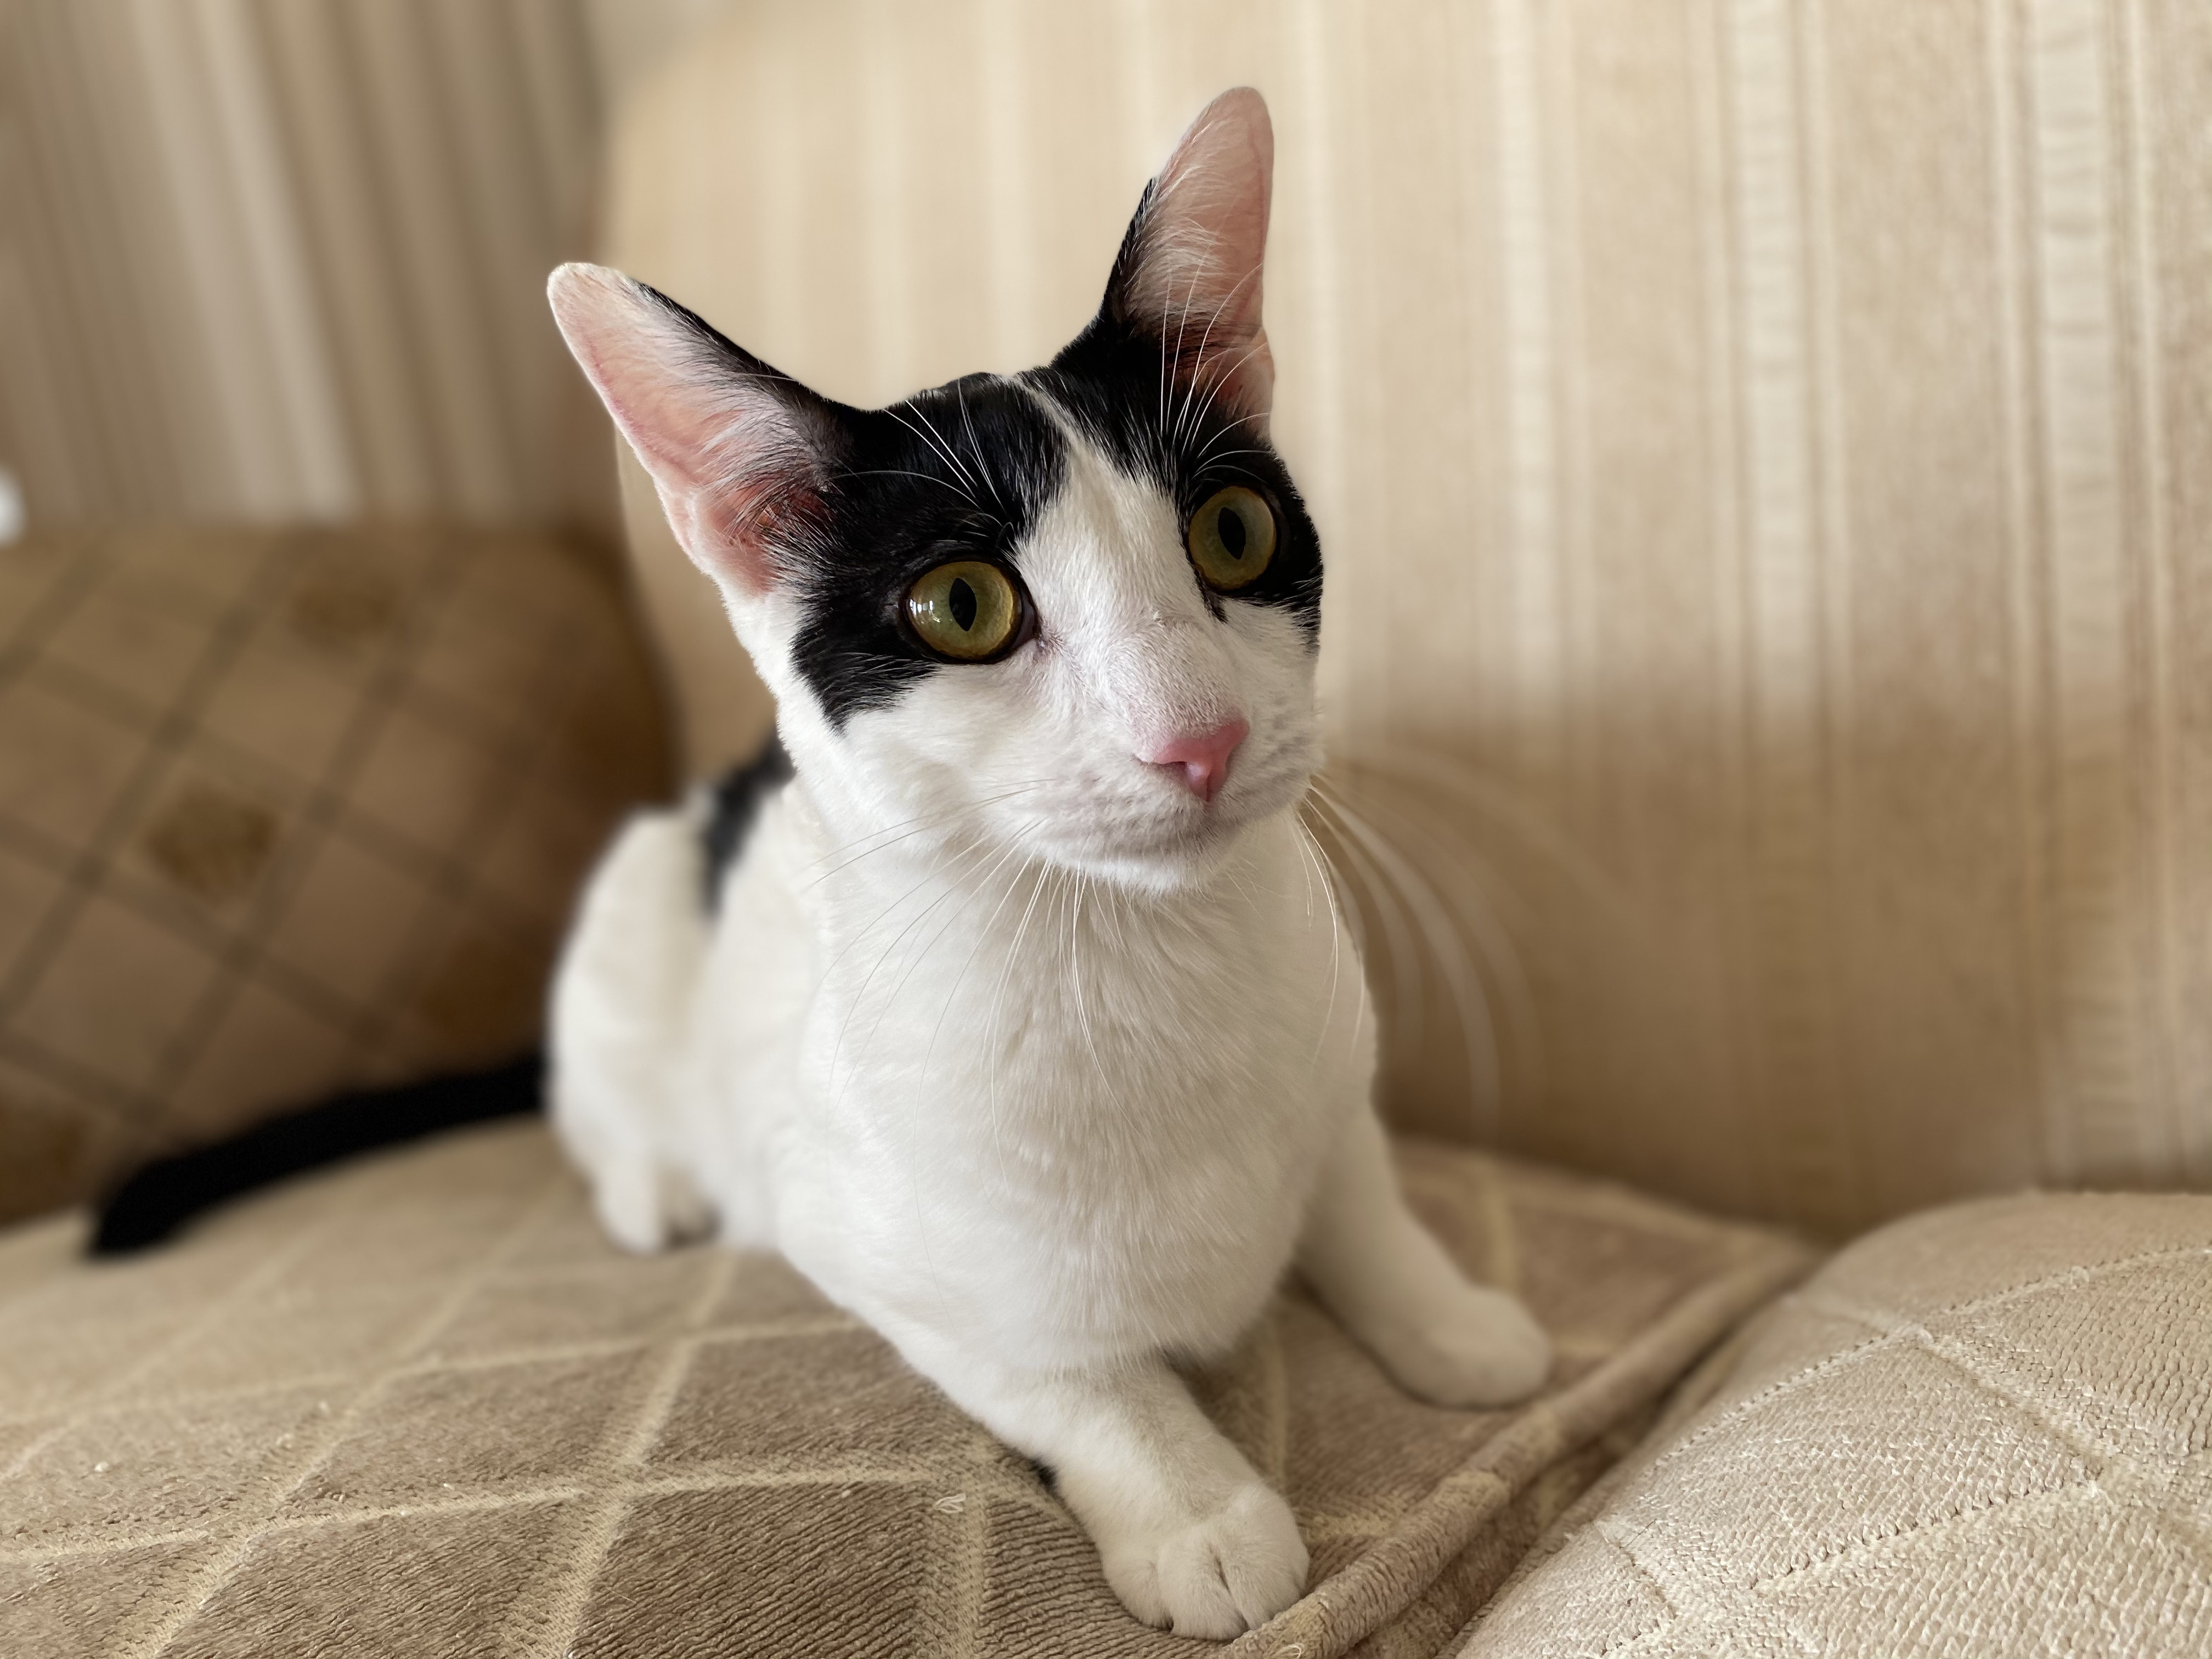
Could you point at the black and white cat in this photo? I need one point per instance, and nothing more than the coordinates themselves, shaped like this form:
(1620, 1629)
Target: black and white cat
(1022, 1020)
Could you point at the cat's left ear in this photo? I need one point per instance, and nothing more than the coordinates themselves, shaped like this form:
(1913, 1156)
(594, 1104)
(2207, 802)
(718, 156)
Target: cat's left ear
(737, 451)
(1188, 274)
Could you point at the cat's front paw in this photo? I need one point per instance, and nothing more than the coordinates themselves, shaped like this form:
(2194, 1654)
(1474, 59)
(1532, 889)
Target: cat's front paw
(1215, 1576)
(1471, 1347)
(645, 1208)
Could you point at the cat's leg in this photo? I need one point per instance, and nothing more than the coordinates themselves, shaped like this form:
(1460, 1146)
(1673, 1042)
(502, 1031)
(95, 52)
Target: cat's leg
(1191, 1538)
(619, 999)
(1387, 1280)
(644, 1204)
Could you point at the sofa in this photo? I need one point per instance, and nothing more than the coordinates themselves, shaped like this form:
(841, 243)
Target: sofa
(1760, 455)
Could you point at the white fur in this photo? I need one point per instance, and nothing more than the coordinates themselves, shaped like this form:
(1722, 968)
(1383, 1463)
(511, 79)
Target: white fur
(1029, 1059)
(1038, 1063)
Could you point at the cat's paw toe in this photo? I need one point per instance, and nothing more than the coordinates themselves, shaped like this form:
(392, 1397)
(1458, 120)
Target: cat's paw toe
(1218, 1576)
(645, 1209)
(1482, 1349)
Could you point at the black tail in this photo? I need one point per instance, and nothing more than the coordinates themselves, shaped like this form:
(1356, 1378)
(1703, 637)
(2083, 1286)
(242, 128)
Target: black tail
(165, 1194)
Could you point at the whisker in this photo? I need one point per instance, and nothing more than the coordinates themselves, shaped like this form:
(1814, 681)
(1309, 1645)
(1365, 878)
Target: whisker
(982, 459)
(1478, 1029)
(1204, 340)
(1006, 971)
(950, 454)
(1314, 862)
(1455, 852)
(1182, 322)
(1383, 900)
(930, 436)
(909, 472)
(860, 995)
(1476, 905)
(1075, 970)
(1207, 456)
(907, 828)
(1466, 783)
(951, 888)
(983, 934)
(1220, 380)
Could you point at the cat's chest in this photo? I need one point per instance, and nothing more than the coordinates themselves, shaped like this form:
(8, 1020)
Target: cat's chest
(1089, 1121)
(1049, 1006)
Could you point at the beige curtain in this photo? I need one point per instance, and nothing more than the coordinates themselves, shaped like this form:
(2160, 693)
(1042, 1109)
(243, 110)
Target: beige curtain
(1764, 449)
(271, 260)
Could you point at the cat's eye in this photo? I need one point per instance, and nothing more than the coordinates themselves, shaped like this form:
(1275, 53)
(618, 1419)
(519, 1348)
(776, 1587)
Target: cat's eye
(969, 611)
(1231, 538)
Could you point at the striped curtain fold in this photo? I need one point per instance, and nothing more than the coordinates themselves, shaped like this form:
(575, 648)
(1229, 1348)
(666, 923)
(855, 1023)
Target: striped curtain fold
(273, 259)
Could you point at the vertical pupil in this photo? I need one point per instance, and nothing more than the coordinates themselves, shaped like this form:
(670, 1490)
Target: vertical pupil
(1229, 525)
(960, 598)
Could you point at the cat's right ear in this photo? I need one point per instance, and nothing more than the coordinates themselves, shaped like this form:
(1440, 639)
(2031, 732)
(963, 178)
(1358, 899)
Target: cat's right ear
(1188, 274)
(736, 449)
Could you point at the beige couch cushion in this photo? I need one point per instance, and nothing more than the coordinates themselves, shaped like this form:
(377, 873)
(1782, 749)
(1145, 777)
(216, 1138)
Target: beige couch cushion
(420, 1406)
(284, 811)
(1986, 1431)
(1764, 443)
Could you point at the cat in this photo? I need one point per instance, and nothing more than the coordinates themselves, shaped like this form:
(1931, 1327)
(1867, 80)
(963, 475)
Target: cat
(1017, 1010)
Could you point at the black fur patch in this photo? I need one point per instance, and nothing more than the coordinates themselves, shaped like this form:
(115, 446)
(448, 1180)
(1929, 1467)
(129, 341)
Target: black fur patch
(736, 802)
(959, 472)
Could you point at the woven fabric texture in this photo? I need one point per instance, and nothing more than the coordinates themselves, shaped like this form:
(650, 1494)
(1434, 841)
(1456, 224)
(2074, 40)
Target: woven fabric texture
(281, 812)
(421, 1405)
(1760, 450)
(1984, 1431)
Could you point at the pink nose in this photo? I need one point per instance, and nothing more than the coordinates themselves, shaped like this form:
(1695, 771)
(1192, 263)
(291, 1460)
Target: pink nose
(1201, 762)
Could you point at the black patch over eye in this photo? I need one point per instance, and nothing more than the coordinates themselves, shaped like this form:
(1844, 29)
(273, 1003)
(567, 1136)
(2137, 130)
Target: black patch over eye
(955, 476)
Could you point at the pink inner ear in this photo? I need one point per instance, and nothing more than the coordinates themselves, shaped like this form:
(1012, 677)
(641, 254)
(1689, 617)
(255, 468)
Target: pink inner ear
(762, 501)
(1197, 278)
(735, 474)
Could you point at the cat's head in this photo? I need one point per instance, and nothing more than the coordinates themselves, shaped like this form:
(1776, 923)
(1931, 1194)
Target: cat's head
(1071, 613)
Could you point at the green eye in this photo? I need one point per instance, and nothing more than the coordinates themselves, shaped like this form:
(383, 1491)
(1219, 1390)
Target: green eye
(1231, 538)
(968, 610)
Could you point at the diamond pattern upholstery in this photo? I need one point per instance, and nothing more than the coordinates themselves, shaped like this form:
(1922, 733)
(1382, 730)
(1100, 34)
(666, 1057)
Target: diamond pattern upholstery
(1985, 1430)
(420, 1405)
(287, 812)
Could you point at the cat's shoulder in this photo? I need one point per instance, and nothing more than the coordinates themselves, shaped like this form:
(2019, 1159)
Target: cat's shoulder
(728, 809)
